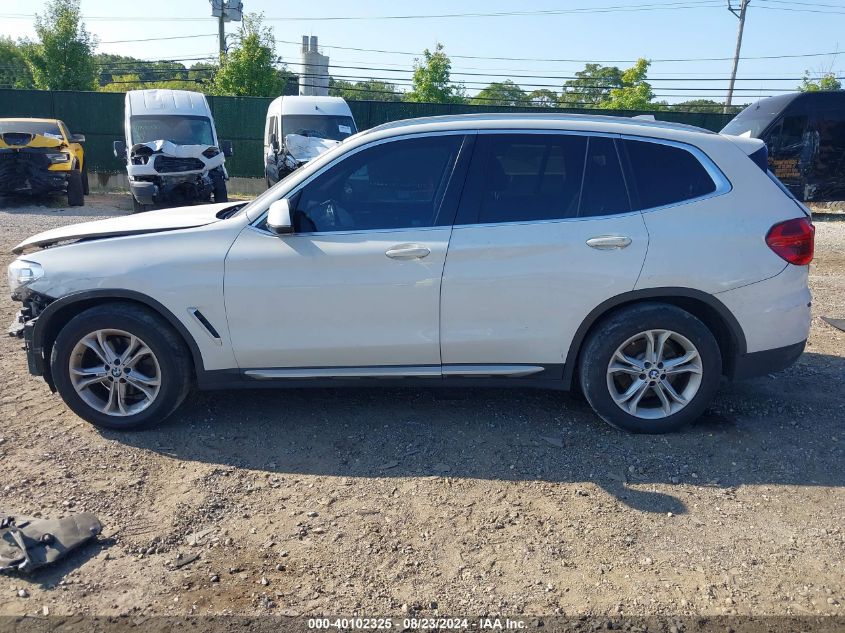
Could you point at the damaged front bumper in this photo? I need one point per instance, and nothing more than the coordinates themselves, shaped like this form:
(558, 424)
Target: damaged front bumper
(23, 327)
(28, 171)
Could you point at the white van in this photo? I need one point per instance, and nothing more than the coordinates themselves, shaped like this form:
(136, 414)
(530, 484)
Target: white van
(171, 149)
(298, 129)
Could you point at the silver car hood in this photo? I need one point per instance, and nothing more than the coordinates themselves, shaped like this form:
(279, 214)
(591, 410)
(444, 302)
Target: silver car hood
(149, 222)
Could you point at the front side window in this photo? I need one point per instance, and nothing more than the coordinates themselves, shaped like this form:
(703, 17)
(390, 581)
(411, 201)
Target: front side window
(180, 130)
(398, 184)
(665, 174)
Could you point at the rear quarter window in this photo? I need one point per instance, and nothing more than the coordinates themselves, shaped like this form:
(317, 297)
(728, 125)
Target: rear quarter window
(664, 174)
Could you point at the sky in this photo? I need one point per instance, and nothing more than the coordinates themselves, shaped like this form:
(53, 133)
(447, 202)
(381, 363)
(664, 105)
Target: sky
(612, 32)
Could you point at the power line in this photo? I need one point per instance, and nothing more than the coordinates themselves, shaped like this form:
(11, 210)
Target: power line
(576, 61)
(681, 4)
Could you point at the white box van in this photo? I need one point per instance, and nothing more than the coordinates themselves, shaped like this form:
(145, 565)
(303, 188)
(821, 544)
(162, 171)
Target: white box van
(171, 149)
(301, 128)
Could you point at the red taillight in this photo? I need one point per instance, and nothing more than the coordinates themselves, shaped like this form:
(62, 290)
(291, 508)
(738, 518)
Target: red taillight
(793, 240)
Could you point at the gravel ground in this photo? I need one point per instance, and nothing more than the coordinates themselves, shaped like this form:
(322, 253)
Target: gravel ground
(437, 502)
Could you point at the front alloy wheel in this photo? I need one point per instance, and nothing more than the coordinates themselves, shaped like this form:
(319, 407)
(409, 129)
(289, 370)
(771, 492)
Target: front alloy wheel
(115, 372)
(120, 366)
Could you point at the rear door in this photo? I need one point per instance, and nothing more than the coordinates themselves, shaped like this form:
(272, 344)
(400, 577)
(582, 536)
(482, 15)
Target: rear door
(544, 234)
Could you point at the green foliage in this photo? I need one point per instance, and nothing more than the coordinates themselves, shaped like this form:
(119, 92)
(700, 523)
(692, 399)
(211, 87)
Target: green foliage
(543, 98)
(14, 72)
(62, 59)
(591, 88)
(635, 92)
(828, 81)
(248, 69)
(431, 79)
(500, 93)
(369, 90)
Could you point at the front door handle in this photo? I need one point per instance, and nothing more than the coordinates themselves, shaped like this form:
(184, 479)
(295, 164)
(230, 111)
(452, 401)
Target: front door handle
(608, 242)
(407, 251)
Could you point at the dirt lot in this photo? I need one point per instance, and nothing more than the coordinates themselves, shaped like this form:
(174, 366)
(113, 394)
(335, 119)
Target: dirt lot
(455, 502)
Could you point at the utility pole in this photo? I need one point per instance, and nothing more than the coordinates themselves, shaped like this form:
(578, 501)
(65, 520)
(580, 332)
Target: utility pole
(225, 11)
(743, 5)
(221, 33)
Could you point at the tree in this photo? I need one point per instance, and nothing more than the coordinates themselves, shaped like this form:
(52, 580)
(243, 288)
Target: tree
(697, 105)
(592, 86)
(827, 81)
(14, 72)
(543, 98)
(431, 79)
(368, 90)
(62, 59)
(635, 92)
(248, 69)
(500, 93)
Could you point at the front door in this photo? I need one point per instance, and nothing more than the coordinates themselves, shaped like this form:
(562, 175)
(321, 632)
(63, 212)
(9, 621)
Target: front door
(357, 285)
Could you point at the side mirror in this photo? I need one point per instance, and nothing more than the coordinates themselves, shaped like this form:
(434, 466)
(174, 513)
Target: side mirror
(119, 149)
(226, 147)
(274, 142)
(278, 217)
(77, 138)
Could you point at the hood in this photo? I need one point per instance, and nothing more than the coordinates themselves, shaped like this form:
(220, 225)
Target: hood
(172, 149)
(150, 222)
(29, 139)
(304, 148)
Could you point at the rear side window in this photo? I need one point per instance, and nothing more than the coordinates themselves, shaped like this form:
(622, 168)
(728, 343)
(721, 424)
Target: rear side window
(604, 191)
(531, 177)
(536, 177)
(665, 174)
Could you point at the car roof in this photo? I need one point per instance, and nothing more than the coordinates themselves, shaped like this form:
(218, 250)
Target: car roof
(310, 105)
(551, 121)
(164, 101)
(31, 119)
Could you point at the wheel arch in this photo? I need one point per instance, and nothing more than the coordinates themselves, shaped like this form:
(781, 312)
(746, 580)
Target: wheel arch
(707, 308)
(59, 312)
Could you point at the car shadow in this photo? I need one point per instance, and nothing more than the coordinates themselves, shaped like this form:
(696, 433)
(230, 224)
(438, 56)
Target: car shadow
(782, 429)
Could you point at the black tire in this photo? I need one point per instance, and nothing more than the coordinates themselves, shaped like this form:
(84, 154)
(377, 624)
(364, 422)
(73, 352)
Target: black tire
(137, 207)
(220, 193)
(610, 333)
(86, 188)
(170, 351)
(75, 190)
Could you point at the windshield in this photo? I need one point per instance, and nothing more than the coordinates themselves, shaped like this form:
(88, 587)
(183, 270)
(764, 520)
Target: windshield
(181, 130)
(754, 120)
(32, 127)
(335, 128)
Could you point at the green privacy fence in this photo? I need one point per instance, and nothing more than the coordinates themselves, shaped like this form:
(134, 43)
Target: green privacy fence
(99, 116)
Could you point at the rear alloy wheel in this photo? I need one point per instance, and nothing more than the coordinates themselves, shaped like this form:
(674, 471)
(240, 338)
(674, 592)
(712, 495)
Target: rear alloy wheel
(654, 374)
(120, 366)
(650, 368)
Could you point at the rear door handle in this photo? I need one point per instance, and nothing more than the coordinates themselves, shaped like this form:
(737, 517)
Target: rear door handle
(407, 251)
(608, 242)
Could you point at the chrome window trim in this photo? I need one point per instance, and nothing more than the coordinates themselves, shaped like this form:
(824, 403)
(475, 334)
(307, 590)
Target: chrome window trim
(391, 139)
(723, 185)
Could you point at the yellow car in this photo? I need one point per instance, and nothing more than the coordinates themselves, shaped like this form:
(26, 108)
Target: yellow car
(39, 156)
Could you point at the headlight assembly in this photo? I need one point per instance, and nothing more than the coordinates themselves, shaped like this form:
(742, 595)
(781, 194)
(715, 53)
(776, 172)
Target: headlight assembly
(22, 272)
(58, 158)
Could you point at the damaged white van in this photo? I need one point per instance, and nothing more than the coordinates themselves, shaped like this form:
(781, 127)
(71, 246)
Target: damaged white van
(301, 128)
(171, 149)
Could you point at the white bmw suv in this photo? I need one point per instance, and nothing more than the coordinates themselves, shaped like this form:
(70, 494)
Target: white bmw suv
(639, 262)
